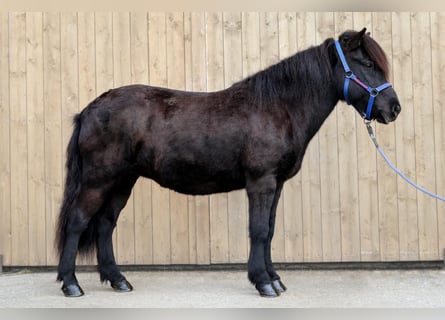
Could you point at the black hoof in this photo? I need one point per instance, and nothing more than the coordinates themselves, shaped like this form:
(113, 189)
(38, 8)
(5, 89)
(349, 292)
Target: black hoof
(267, 290)
(279, 286)
(122, 286)
(72, 290)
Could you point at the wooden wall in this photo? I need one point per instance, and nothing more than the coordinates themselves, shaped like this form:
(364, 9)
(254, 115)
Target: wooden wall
(344, 205)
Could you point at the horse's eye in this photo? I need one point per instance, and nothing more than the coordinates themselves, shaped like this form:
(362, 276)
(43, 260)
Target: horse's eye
(369, 64)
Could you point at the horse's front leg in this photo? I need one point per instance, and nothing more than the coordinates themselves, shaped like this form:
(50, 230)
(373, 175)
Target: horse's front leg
(261, 194)
(276, 282)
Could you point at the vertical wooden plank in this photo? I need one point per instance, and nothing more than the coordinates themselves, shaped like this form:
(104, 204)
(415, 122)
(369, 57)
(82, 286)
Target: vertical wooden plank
(367, 177)
(348, 167)
(176, 79)
(196, 80)
(87, 57)
(219, 240)
(387, 181)
(5, 152)
(69, 76)
(310, 170)
(329, 162)
(122, 76)
(251, 43)
(438, 82)
(236, 200)
(292, 193)
(53, 127)
(405, 135)
(19, 143)
(143, 224)
(69, 83)
(270, 54)
(104, 45)
(269, 44)
(424, 138)
(160, 196)
(36, 136)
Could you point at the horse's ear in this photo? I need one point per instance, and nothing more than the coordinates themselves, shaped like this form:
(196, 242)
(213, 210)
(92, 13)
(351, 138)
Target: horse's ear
(361, 34)
(353, 42)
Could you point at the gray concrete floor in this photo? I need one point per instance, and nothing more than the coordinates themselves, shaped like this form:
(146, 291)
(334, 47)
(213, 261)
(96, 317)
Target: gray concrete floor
(208, 289)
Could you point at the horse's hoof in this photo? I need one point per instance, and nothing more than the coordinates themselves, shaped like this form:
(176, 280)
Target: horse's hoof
(279, 286)
(122, 286)
(267, 290)
(72, 290)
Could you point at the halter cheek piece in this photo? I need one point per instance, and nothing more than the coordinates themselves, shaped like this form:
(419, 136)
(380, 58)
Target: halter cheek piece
(349, 75)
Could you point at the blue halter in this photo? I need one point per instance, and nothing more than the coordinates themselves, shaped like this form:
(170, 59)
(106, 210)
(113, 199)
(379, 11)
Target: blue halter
(349, 75)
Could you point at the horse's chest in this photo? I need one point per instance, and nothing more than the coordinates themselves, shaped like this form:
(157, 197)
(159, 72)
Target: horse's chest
(288, 165)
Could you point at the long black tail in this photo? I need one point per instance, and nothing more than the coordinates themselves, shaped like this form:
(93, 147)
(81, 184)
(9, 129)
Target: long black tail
(71, 193)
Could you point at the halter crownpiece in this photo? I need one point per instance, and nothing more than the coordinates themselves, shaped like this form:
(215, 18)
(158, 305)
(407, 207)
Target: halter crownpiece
(349, 75)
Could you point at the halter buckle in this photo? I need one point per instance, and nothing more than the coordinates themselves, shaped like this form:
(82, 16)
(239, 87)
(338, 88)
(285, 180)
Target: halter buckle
(374, 92)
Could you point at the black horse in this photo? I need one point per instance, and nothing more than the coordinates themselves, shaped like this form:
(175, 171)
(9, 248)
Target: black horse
(252, 135)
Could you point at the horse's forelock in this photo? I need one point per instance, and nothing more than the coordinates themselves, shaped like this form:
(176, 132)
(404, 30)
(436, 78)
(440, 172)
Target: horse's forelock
(376, 54)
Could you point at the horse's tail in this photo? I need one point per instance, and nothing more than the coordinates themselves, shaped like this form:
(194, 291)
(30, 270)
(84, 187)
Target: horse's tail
(71, 193)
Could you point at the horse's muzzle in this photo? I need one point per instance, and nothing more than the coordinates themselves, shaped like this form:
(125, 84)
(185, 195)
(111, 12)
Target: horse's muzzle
(386, 117)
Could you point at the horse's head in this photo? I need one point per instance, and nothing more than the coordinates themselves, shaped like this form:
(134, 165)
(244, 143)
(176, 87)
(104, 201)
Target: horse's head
(361, 72)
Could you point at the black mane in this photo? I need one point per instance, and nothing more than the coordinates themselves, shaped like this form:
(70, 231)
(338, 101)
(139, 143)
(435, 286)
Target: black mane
(291, 76)
(279, 81)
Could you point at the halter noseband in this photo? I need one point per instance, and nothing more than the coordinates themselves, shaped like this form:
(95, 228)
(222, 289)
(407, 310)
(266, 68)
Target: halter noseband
(349, 75)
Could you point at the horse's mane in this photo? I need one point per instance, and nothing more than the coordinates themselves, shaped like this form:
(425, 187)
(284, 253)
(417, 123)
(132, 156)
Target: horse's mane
(278, 81)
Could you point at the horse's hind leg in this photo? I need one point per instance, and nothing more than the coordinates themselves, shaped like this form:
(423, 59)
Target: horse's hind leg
(106, 223)
(86, 205)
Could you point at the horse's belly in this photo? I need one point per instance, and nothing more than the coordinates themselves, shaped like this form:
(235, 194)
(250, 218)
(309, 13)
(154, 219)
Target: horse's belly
(203, 188)
(196, 180)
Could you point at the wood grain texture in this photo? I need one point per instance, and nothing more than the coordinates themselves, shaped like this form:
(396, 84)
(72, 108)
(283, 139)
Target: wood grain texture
(54, 151)
(5, 144)
(344, 205)
(36, 134)
(405, 136)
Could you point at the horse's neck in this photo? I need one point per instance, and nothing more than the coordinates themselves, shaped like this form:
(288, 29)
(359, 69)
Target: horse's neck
(312, 104)
(303, 84)
(310, 115)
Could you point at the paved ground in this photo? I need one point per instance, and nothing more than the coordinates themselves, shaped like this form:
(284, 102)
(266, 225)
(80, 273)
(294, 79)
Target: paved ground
(205, 289)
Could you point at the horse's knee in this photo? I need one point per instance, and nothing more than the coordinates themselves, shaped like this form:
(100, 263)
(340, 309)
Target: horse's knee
(258, 232)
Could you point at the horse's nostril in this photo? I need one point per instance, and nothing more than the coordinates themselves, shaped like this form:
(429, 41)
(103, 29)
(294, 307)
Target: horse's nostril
(396, 108)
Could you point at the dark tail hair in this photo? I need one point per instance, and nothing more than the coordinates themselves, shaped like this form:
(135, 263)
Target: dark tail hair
(72, 191)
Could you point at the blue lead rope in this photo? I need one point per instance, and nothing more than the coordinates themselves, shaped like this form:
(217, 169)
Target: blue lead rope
(393, 167)
(373, 92)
